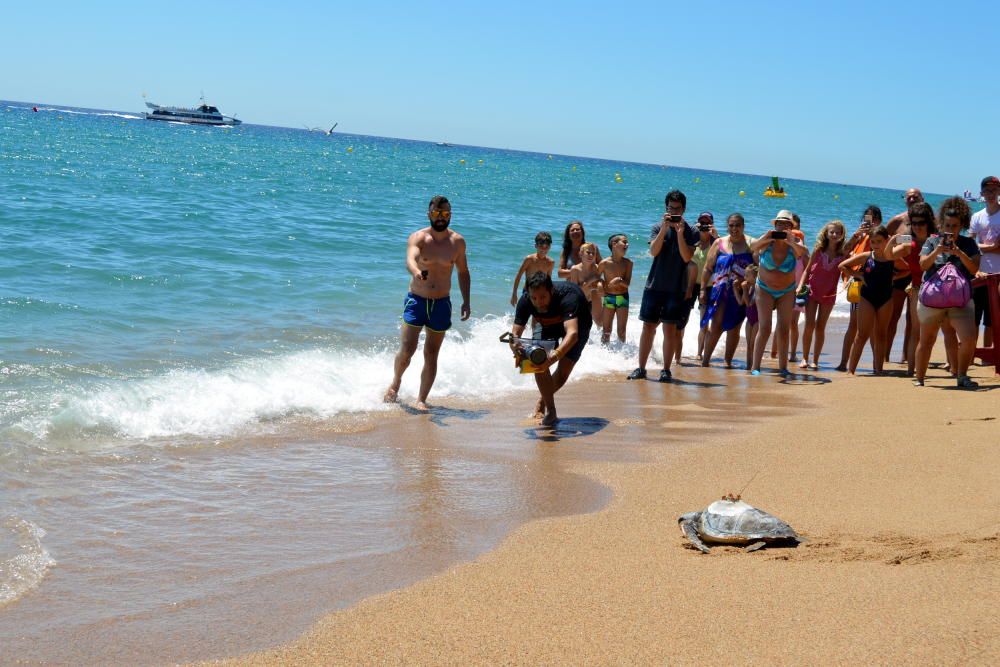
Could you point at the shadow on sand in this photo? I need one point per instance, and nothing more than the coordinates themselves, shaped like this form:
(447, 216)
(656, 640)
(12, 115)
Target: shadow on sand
(439, 414)
(570, 427)
(805, 379)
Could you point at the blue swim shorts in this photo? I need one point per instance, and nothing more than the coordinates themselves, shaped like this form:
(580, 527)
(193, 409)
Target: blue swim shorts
(435, 314)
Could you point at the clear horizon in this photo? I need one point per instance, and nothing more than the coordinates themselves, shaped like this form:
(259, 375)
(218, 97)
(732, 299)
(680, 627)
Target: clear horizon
(847, 95)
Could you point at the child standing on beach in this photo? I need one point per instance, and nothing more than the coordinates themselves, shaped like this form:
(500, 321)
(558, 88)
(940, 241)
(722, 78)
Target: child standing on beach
(616, 274)
(586, 275)
(745, 293)
(819, 281)
(535, 262)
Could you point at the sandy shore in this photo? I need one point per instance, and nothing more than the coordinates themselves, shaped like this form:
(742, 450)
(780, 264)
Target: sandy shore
(896, 488)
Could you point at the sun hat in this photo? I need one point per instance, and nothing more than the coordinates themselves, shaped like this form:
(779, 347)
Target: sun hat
(784, 216)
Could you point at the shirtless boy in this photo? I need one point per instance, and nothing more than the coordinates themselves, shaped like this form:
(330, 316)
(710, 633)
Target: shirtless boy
(533, 263)
(616, 272)
(588, 277)
(431, 253)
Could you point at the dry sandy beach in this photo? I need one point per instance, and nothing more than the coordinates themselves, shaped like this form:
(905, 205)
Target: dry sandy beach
(897, 490)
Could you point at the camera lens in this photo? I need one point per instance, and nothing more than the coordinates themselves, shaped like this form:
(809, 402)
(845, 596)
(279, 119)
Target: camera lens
(537, 354)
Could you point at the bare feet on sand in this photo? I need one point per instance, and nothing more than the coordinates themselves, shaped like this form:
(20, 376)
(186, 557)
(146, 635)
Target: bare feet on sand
(390, 396)
(549, 419)
(421, 406)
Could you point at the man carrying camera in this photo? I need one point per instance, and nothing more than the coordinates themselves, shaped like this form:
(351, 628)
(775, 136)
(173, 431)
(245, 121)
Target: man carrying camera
(671, 244)
(563, 312)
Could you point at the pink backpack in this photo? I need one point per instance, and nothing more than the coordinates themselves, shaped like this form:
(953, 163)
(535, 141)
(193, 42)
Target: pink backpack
(947, 288)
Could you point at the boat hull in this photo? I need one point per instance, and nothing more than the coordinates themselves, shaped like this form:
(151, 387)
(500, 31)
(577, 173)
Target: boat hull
(193, 121)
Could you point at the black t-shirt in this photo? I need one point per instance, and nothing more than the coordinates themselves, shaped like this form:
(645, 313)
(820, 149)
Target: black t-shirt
(669, 270)
(964, 243)
(568, 303)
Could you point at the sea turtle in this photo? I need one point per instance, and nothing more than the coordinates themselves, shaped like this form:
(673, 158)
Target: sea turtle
(732, 521)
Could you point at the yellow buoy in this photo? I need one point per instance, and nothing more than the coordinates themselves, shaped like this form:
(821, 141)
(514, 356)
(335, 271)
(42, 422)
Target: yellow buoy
(697, 179)
(350, 149)
(836, 196)
(743, 194)
(480, 162)
(574, 167)
(461, 161)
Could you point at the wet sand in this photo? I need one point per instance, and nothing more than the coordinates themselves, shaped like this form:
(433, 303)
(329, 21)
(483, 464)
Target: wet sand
(900, 507)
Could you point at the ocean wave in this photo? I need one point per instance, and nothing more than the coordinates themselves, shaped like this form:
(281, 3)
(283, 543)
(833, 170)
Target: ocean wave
(23, 571)
(83, 113)
(250, 395)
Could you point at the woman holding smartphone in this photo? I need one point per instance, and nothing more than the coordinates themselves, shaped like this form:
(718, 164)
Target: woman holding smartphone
(921, 228)
(963, 253)
(778, 254)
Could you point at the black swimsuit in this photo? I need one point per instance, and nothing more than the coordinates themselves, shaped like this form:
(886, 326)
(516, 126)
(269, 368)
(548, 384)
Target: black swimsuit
(877, 289)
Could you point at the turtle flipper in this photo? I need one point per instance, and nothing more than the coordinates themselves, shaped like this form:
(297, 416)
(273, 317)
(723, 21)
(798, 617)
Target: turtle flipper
(687, 527)
(756, 545)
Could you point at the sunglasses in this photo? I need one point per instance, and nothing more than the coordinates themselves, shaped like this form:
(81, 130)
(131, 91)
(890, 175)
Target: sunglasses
(543, 244)
(439, 214)
(918, 221)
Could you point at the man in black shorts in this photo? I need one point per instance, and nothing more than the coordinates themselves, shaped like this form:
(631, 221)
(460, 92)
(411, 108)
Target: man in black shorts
(563, 313)
(671, 243)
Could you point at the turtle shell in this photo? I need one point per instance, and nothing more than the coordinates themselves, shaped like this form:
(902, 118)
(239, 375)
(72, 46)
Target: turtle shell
(730, 522)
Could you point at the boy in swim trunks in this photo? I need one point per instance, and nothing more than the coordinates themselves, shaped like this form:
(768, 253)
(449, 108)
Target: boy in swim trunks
(616, 272)
(431, 254)
(533, 263)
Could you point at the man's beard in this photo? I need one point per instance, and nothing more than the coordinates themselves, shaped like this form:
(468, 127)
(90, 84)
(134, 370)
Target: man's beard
(440, 225)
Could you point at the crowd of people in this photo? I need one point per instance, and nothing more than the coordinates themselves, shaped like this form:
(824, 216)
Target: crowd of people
(921, 263)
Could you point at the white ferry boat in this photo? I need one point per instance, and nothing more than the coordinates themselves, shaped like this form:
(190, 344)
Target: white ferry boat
(204, 114)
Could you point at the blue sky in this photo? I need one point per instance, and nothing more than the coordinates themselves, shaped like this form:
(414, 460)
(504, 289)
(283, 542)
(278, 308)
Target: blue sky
(887, 94)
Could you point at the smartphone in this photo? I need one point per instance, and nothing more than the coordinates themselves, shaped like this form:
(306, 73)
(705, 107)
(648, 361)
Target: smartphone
(779, 235)
(948, 239)
(904, 238)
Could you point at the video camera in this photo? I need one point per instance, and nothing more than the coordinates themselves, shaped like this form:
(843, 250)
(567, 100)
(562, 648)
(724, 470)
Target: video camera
(530, 352)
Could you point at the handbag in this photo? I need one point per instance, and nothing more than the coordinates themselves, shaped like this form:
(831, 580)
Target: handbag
(947, 288)
(854, 290)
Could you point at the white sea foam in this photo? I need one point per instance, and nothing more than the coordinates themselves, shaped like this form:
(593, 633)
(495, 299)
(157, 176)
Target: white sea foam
(86, 113)
(24, 570)
(252, 394)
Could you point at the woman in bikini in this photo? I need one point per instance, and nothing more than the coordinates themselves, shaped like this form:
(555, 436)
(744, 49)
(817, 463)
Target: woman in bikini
(778, 252)
(725, 266)
(573, 237)
(821, 276)
(875, 268)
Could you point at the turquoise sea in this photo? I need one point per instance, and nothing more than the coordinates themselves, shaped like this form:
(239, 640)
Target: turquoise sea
(168, 292)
